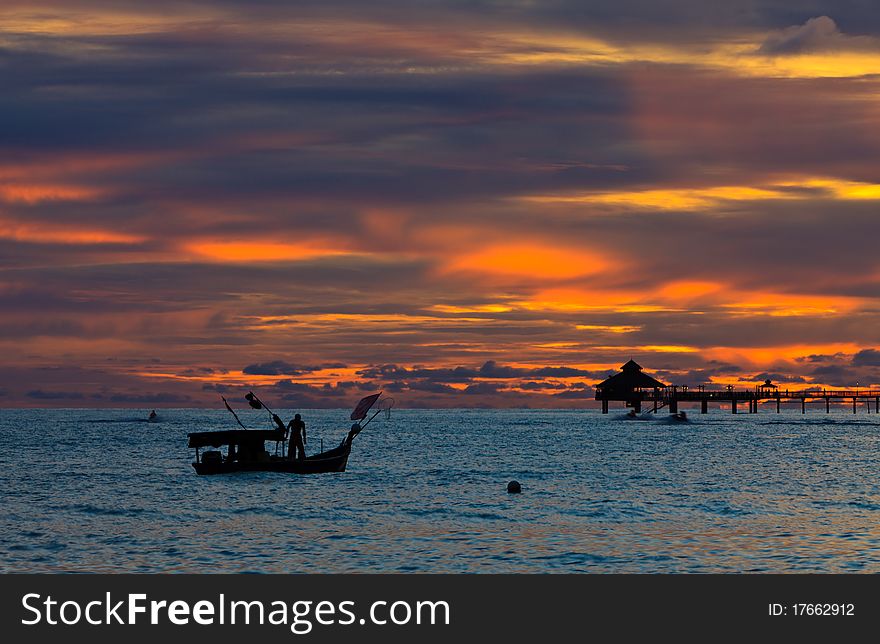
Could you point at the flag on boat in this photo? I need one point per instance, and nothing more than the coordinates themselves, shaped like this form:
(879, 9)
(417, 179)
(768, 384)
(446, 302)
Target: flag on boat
(253, 401)
(360, 412)
(233, 413)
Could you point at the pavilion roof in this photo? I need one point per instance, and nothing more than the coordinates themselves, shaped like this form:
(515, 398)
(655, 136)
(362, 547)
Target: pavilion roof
(631, 377)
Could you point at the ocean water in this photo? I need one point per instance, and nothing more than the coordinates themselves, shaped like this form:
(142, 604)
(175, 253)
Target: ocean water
(105, 491)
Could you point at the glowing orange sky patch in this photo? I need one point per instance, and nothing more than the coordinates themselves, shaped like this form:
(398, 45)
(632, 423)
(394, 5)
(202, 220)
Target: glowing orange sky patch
(608, 328)
(530, 261)
(768, 356)
(64, 168)
(837, 188)
(681, 295)
(706, 198)
(482, 308)
(385, 323)
(40, 233)
(237, 377)
(31, 194)
(650, 348)
(665, 198)
(788, 305)
(259, 251)
(739, 55)
(575, 299)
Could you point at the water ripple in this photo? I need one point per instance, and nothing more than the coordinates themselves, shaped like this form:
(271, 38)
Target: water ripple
(103, 491)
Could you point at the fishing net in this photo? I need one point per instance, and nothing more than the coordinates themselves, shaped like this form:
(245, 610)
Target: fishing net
(386, 404)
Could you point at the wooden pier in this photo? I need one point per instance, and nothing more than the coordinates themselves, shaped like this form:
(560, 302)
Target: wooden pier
(642, 392)
(750, 399)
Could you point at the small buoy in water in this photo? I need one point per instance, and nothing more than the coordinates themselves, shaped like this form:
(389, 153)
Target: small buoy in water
(514, 487)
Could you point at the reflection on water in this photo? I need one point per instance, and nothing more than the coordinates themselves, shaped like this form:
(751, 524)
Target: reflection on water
(426, 492)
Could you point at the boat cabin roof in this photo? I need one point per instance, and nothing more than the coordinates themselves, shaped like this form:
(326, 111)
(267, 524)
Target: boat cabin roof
(234, 437)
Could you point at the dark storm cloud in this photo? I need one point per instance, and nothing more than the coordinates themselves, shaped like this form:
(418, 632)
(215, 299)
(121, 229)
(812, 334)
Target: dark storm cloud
(867, 358)
(633, 18)
(575, 394)
(699, 376)
(141, 286)
(819, 358)
(303, 395)
(395, 372)
(174, 89)
(425, 386)
(489, 369)
(777, 377)
(837, 375)
(483, 388)
(844, 370)
(540, 386)
(283, 368)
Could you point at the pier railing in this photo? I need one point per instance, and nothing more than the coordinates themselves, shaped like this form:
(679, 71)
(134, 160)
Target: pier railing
(751, 394)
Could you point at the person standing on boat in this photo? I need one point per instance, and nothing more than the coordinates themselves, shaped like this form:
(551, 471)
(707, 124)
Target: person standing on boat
(297, 437)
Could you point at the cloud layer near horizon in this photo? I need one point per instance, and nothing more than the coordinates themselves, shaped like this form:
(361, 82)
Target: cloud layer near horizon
(334, 198)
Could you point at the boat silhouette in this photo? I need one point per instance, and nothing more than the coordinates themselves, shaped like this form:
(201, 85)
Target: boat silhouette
(247, 453)
(246, 448)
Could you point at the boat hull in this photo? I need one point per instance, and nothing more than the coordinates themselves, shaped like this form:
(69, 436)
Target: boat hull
(334, 460)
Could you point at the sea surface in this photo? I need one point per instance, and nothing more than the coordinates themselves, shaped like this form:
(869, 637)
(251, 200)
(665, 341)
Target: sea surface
(425, 491)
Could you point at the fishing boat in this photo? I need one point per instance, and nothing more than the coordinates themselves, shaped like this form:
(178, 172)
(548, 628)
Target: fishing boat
(247, 453)
(246, 448)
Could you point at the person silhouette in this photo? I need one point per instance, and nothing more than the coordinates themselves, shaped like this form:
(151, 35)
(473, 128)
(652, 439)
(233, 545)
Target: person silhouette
(297, 437)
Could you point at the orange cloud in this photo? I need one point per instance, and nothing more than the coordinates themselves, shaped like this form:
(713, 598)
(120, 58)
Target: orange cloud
(787, 305)
(767, 356)
(708, 197)
(36, 193)
(583, 299)
(41, 233)
(530, 260)
(259, 251)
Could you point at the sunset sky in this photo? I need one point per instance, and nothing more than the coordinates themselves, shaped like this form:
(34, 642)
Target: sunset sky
(461, 203)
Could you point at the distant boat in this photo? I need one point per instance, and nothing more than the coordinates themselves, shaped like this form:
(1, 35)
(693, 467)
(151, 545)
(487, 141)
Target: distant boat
(676, 419)
(632, 415)
(247, 447)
